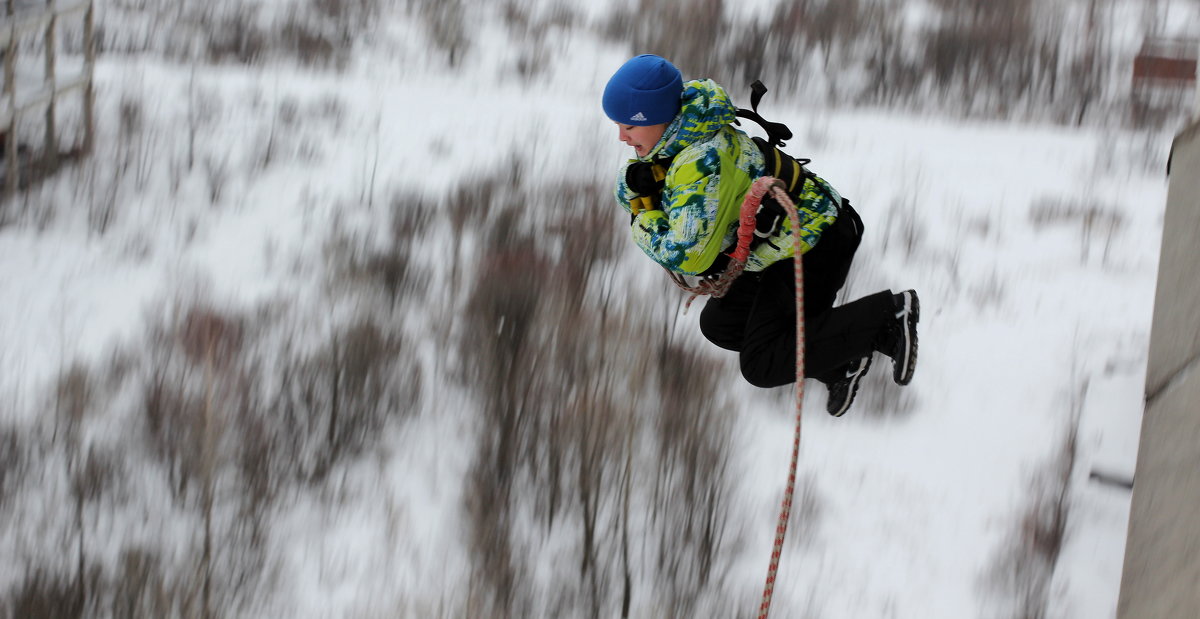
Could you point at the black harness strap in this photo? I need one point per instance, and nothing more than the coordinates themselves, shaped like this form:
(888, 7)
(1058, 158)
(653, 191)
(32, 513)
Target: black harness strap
(791, 170)
(647, 179)
(776, 132)
(783, 166)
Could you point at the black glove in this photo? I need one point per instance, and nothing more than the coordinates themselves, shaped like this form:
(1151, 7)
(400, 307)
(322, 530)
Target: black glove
(769, 217)
(641, 178)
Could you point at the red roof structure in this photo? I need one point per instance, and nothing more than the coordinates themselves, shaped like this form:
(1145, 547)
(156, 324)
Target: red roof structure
(1164, 79)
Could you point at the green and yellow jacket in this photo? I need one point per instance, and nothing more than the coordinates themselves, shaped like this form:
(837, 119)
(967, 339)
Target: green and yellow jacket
(712, 168)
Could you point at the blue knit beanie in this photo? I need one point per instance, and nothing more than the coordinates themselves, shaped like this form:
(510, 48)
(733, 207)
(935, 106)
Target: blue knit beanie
(646, 90)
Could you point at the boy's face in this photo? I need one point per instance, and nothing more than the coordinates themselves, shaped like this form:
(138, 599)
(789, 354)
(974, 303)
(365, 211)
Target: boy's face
(642, 139)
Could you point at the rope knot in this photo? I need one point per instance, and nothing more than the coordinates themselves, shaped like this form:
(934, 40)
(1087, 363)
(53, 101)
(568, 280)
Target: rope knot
(717, 287)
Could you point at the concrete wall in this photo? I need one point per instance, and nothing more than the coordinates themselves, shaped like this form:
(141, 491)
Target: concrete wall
(1161, 578)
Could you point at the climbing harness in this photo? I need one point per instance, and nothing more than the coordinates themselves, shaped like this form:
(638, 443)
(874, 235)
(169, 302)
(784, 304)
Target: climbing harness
(717, 288)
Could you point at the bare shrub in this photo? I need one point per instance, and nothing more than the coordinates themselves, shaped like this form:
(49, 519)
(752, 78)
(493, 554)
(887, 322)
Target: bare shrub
(983, 53)
(193, 371)
(13, 462)
(348, 17)
(1004, 59)
(203, 106)
(232, 414)
(892, 72)
(987, 290)
(134, 152)
(522, 395)
(331, 404)
(96, 473)
(496, 347)
(528, 29)
(585, 230)
(91, 477)
(1096, 222)
(395, 269)
(747, 58)
(361, 359)
(197, 398)
(235, 36)
(213, 398)
(73, 398)
(140, 588)
(697, 26)
(216, 174)
(245, 402)
(289, 135)
(903, 230)
(1090, 62)
(467, 203)
(316, 33)
(1024, 569)
(308, 42)
(577, 400)
(131, 161)
(445, 21)
(45, 595)
(824, 27)
(90, 472)
(691, 506)
(173, 422)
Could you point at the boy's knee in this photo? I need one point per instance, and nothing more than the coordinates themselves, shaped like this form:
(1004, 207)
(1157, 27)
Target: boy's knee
(763, 375)
(716, 328)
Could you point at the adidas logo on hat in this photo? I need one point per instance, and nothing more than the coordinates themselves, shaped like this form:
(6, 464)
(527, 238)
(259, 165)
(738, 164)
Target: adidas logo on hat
(646, 90)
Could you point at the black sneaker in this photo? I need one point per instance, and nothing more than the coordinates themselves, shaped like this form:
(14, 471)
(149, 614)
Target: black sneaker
(842, 392)
(899, 339)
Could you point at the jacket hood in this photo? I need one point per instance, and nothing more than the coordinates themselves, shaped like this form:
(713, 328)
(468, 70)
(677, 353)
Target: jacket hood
(705, 109)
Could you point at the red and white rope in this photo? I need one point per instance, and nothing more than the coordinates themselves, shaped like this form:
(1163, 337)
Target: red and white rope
(785, 510)
(718, 288)
(737, 260)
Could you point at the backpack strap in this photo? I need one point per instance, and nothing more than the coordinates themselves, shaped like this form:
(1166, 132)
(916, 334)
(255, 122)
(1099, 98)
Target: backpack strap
(776, 132)
(783, 166)
(793, 172)
(779, 164)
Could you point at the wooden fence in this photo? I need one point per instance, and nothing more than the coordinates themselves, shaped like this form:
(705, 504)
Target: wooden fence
(21, 98)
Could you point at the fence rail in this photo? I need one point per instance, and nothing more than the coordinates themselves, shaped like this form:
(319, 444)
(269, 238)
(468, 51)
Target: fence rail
(28, 18)
(24, 18)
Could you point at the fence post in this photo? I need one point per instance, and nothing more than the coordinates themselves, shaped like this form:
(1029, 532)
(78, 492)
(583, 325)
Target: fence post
(89, 60)
(50, 152)
(13, 176)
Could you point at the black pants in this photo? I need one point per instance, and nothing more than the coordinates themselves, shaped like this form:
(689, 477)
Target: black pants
(757, 316)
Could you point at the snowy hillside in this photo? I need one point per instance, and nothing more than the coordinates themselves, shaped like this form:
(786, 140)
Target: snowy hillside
(340, 320)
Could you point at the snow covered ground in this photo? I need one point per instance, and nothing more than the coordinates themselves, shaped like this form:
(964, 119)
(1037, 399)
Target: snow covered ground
(1033, 248)
(1025, 327)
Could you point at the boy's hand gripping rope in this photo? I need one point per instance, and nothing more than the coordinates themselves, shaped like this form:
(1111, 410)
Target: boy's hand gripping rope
(717, 288)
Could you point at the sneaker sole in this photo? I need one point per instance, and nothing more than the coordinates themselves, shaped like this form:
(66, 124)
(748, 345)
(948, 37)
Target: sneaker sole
(853, 389)
(906, 366)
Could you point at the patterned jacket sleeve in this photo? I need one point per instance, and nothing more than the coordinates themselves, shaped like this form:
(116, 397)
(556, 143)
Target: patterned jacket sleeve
(682, 236)
(622, 192)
